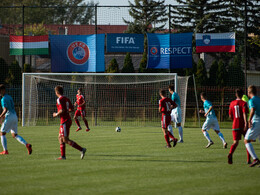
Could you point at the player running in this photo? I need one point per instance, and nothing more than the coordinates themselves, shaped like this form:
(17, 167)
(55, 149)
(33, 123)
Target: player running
(238, 113)
(80, 110)
(165, 107)
(253, 123)
(10, 122)
(64, 106)
(176, 113)
(211, 121)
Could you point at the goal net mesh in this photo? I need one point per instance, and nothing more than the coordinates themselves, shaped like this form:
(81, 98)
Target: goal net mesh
(111, 99)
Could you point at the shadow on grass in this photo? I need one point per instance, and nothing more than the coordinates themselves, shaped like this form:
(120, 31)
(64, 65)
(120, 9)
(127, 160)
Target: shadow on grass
(140, 158)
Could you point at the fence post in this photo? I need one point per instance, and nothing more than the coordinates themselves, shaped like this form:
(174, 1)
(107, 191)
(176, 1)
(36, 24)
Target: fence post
(23, 57)
(245, 43)
(96, 29)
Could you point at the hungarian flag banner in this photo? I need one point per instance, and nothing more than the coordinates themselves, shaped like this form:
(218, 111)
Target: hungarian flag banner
(29, 45)
(215, 42)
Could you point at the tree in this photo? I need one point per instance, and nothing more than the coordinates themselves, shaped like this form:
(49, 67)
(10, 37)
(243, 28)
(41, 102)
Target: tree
(149, 16)
(221, 74)
(3, 70)
(14, 74)
(236, 75)
(48, 12)
(27, 68)
(143, 64)
(201, 74)
(212, 73)
(128, 64)
(113, 66)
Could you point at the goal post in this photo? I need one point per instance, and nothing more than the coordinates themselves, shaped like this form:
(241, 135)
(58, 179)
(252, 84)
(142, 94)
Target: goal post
(118, 99)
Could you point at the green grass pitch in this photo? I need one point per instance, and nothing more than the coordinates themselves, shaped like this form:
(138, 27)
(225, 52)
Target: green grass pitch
(131, 162)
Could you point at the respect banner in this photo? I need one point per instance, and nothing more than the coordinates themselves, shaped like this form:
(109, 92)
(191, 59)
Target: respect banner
(169, 51)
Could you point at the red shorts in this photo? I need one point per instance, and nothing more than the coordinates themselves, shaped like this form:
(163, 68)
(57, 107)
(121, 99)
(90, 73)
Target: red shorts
(65, 129)
(237, 134)
(81, 113)
(166, 120)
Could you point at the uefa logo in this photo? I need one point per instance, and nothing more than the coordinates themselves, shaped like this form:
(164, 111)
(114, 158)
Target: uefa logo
(78, 52)
(154, 50)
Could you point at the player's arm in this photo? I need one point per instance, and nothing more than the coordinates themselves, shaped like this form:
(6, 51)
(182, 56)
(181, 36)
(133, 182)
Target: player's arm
(55, 114)
(83, 103)
(3, 114)
(230, 113)
(252, 112)
(173, 105)
(210, 108)
(160, 107)
(70, 107)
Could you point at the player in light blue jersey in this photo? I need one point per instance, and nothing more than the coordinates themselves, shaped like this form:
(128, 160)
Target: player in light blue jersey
(253, 123)
(10, 122)
(211, 121)
(176, 113)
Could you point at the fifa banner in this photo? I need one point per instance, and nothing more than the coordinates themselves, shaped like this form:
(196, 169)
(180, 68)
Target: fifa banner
(29, 45)
(169, 51)
(122, 42)
(77, 53)
(215, 42)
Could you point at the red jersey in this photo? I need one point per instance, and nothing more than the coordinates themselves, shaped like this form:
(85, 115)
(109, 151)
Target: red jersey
(236, 110)
(64, 103)
(165, 105)
(79, 101)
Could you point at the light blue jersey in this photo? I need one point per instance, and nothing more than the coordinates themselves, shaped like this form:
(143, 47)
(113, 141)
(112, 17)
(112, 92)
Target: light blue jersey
(207, 104)
(8, 103)
(176, 99)
(254, 102)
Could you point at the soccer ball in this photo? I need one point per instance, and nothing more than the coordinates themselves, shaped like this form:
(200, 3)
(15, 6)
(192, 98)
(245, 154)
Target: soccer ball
(118, 129)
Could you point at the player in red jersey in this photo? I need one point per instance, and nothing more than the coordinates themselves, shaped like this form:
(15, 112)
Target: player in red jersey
(64, 106)
(165, 107)
(238, 113)
(80, 110)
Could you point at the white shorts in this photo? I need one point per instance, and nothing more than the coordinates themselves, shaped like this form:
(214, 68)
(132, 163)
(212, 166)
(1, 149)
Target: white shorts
(10, 124)
(211, 123)
(253, 132)
(176, 115)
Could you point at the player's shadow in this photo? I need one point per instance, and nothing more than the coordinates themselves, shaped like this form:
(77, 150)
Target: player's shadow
(141, 158)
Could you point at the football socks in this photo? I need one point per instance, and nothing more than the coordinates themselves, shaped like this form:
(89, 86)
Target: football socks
(4, 142)
(251, 150)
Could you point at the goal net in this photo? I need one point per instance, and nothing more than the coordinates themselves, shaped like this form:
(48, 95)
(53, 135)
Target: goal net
(112, 99)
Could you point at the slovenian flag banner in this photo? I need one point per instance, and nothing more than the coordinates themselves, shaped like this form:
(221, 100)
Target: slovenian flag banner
(29, 45)
(215, 42)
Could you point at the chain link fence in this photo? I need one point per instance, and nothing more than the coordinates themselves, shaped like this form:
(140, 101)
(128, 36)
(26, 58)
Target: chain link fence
(84, 20)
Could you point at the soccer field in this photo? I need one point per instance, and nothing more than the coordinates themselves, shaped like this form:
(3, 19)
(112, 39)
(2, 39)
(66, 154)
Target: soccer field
(131, 162)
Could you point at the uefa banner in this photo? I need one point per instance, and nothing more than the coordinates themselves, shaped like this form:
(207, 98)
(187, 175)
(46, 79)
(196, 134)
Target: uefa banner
(77, 53)
(123, 42)
(169, 51)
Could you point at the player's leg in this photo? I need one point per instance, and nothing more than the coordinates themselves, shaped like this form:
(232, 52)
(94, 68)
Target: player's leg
(170, 130)
(83, 116)
(4, 143)
(205, 128)
(236, 138)
(180, 132)
(247, 153)
(71, 142)
(62, 143)
(252, 134)
(178, 121)
(5, 128)
(215, 126)
(14, 132)
(165, 131)
(76, 115)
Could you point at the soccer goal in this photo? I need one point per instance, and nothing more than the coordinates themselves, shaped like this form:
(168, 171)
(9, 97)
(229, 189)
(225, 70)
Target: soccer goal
(116, 99)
